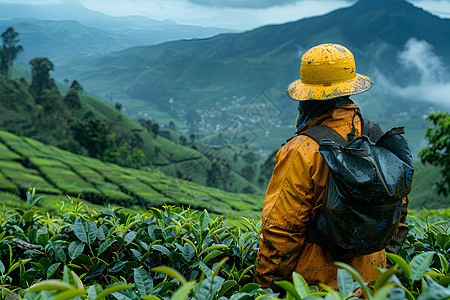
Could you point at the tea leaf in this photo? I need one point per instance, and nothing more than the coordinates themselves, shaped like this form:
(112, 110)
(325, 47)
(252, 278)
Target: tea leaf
(75, 248)
(80, 230)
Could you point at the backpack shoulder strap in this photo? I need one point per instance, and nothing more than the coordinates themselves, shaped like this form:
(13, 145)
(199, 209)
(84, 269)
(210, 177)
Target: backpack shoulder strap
(372, 130)
(323, 132)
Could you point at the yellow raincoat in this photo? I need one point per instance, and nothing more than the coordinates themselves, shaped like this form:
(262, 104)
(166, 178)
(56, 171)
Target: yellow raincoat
(293, 199)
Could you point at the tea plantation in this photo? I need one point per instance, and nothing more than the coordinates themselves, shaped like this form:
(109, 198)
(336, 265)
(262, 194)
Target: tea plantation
(26, 163)
(175, 253)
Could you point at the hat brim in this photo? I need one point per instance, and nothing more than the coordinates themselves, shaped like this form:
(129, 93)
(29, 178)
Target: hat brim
(300, 91)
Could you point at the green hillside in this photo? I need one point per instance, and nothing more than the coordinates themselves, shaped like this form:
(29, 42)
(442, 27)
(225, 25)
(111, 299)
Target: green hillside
(26, 163)
(53, 122)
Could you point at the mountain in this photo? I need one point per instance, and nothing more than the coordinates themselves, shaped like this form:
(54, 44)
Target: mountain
(264, 58)
(59, 40)
(68, 29)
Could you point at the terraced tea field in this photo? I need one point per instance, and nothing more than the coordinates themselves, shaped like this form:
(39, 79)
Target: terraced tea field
(26, 163)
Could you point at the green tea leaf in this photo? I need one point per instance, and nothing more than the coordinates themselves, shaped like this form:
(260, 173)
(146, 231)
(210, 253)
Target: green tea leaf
(345, 282)
(213, 247)
(28, 216)
(204, 220)
(289, 288)
(384, 277)
(2, 268)
(52, 269)
(444, 262)
(226, 286)
(301, 286)
(130, 237)
(69, 294)
(419, 264)
(143, 281)
(92, 233)
(92, 291)
(250, 288)
(59, 252)
(75, 248)
(401, 262)
(43, 239)
(161, 249)
(446, 246)
(172, 273)
(212, 255)
(105, 245)
(188, 252)
(190, 243)
(442, 239)
(182, 292)
(79, 229)
(49, 285)
(113, 289)
(356, 276)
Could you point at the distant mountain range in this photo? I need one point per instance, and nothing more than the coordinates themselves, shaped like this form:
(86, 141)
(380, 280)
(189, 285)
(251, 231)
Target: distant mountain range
(204, 71)
(68, 29)
(214, 85)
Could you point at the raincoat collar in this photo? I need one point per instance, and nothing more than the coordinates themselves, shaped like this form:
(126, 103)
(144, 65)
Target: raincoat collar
(310, 110)
(334, 115)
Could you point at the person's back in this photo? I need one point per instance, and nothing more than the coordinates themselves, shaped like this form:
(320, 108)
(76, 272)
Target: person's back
(294, 195)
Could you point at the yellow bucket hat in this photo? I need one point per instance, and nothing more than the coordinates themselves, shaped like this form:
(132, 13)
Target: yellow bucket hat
(328, 71)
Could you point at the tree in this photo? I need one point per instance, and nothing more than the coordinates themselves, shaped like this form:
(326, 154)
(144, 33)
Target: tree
(94, 135)
(183, 139)
(172, 126)
(155, 128)
(3, 62)
(156, 150)
(118, 106)
(77, 86)
(72, 99)
(437, 151)
(192, 138)
(146, 123)
(248, 172)
(11, 47)
(40, 75)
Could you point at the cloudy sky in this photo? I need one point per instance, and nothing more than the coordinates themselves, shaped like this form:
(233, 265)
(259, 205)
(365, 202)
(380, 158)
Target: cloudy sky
(235, 14)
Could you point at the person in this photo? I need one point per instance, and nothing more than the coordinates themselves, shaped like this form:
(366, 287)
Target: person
(293, 198)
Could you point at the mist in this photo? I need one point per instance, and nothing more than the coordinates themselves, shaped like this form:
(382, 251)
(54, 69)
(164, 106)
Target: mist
(433, 84)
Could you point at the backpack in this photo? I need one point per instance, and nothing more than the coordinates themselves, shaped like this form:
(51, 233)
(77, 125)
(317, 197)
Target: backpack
(369, 177)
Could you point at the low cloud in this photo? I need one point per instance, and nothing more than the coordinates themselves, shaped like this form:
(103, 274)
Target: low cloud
(433, 84)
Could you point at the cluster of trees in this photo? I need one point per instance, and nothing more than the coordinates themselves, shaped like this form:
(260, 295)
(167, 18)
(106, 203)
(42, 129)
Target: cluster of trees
(55, 119)
(97, 137)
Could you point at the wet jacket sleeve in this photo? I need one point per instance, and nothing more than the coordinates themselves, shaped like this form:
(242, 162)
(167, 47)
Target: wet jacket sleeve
(297, 182)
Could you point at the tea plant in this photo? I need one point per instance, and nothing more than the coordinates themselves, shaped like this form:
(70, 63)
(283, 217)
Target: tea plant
(176, 253)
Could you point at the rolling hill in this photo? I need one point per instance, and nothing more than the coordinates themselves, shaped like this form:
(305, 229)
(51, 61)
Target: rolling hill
(26, 163)
(169, 151)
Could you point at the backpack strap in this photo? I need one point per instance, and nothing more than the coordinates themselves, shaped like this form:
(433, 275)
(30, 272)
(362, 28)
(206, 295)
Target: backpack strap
(323, 132)
(372, 130)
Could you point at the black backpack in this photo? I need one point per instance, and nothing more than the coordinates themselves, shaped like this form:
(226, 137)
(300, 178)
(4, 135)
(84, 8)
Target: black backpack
(369, 177)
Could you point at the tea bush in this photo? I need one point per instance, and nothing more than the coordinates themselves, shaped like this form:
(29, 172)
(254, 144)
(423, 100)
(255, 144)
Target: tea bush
(176, 253)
